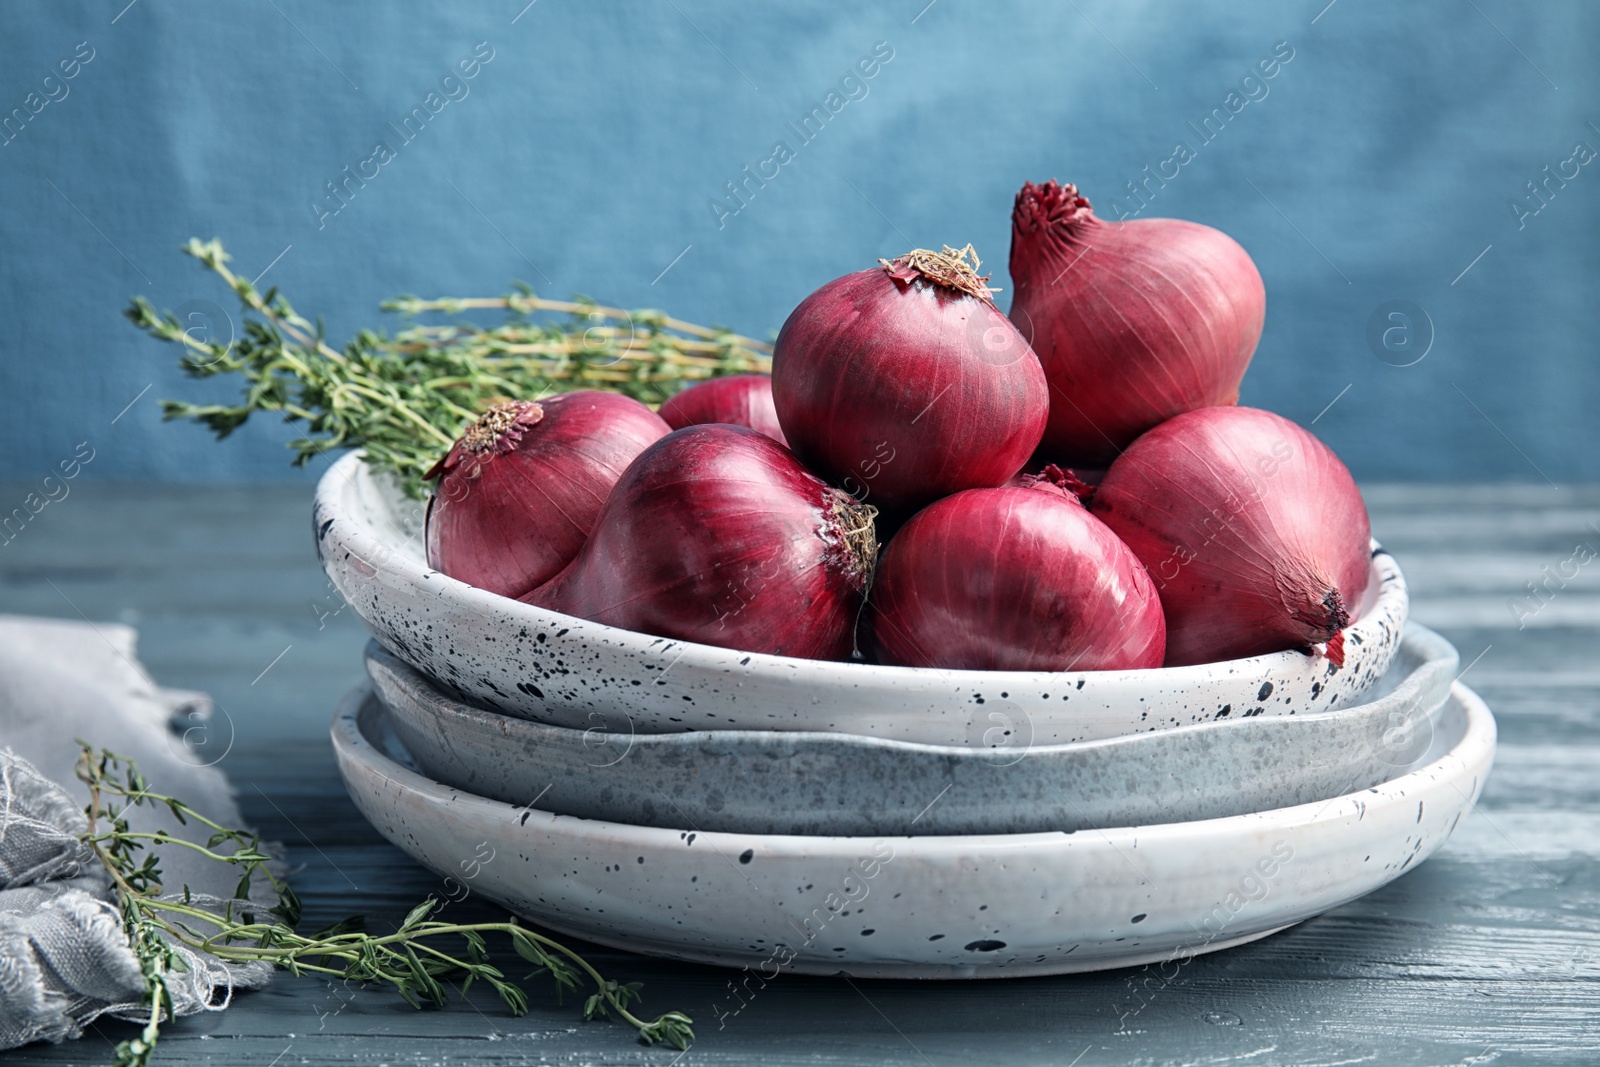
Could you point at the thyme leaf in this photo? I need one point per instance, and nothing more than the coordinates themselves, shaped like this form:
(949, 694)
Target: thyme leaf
(405, 398)
(410, 960)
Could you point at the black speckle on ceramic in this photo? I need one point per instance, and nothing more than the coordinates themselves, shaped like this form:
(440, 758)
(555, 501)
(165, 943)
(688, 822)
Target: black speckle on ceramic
(788, 782)
(892, 906)
(548, 667)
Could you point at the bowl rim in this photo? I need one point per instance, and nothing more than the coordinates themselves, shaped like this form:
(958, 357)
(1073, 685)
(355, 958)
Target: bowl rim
(1433, 650)
(351, 474)
(1475, 746)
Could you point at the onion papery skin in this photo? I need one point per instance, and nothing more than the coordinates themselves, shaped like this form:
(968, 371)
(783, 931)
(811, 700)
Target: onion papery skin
(903, 389)
(519, 492)
(717, 534)
(1066, 478)
(1252, 529)
(1134, 322)
(1021, 579)
(735, 399)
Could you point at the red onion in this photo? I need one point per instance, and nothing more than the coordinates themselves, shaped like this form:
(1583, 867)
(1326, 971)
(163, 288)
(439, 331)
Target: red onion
(717, 534)
(1253, 531)
(1135, 322)
(737, 399)
(904, 383)
(519, 492)
(1017, 579)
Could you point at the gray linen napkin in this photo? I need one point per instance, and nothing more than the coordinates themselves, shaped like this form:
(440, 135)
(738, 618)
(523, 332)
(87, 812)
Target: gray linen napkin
(63, 957)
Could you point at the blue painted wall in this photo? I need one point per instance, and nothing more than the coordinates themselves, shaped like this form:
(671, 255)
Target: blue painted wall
(586, 154)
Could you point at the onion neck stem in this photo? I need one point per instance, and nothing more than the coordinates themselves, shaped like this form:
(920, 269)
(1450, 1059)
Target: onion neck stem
(858, 536)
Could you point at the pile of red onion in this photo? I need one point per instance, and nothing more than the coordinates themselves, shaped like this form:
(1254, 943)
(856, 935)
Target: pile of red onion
(1066, 487)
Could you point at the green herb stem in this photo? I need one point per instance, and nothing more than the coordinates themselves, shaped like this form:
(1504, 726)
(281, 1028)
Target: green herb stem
(408, 959)
(405, 399)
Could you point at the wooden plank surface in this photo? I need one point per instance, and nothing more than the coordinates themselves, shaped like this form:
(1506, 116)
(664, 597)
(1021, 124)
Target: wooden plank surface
(1489, 953)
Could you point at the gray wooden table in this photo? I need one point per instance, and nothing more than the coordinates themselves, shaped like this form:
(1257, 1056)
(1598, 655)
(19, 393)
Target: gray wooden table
(1488, 953)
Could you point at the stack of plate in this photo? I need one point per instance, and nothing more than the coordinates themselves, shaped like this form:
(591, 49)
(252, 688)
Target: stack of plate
(782, 814)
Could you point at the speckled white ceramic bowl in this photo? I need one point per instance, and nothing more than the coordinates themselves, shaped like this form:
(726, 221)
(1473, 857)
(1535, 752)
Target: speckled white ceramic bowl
(921, 907)
(787, 782)
(535, 664)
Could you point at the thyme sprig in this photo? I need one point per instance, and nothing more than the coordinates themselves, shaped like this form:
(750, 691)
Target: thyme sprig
(410, 960)
(405, 398)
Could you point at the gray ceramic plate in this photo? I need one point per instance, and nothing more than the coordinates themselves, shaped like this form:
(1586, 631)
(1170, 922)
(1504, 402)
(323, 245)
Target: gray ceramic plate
(768, 781)
(514, 658)
(979, 906)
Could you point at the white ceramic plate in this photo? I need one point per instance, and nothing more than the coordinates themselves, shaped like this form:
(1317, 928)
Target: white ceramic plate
(921, 907)
(534, 664)
(787, 782)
